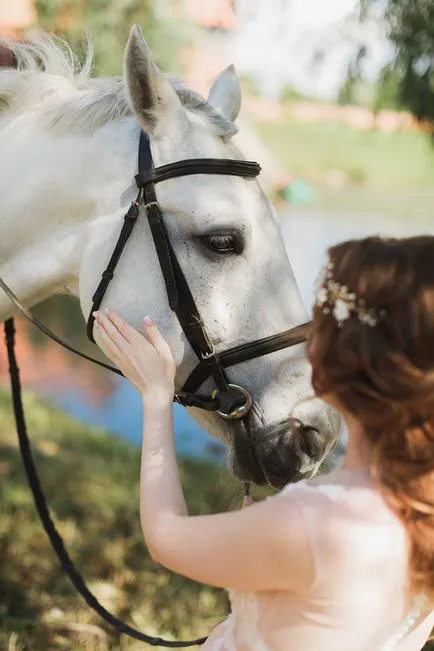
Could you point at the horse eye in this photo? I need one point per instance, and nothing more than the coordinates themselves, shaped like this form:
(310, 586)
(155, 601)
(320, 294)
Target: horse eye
(227, 243)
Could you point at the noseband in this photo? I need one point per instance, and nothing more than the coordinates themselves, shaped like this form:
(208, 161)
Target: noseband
(229, 400)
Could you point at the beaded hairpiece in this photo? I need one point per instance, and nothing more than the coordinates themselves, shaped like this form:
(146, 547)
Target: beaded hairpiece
(336, 299)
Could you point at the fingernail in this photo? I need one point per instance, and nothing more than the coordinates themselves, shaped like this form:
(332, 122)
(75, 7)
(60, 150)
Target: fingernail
(97, 315)
(148, 321)
(106, 311)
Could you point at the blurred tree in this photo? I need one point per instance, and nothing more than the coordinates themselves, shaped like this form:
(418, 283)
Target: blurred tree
(387, 92)
(410, 25)
(349, 91)
(108, 23)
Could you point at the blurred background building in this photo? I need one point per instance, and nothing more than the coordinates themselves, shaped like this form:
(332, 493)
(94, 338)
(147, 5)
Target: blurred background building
(342, 151)
(338, 107)
(345, 146)
(15, 18)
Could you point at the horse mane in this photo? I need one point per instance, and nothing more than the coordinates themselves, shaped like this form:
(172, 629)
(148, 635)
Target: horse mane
(51, 78)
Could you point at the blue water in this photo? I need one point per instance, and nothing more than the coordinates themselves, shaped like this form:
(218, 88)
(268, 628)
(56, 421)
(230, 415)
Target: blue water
(307, 236)
(121, 414)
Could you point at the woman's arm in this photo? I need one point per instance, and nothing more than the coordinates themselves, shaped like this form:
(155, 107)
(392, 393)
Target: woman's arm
(263, 547)
(148, 363)
(160, 487)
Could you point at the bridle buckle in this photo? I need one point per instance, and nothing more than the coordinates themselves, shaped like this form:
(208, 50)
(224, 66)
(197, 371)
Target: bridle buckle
(232, 401)
(235, 403)
(149, 204)
(212, 353)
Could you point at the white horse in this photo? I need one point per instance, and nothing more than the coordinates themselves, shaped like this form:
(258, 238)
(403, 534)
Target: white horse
(68, 156)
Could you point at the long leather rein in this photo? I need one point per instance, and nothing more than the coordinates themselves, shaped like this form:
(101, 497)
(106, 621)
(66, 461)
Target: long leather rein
(228, 400)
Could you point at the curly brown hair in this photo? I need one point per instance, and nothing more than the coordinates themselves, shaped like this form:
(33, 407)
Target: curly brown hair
(384, 377)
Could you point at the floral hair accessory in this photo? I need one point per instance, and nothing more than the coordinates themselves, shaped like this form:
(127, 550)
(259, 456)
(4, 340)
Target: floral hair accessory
(336, 299)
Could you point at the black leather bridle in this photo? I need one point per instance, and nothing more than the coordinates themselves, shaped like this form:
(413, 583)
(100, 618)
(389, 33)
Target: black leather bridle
(229, 400)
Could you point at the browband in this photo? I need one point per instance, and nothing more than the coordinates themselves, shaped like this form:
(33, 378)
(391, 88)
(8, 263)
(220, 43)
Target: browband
(224, 166)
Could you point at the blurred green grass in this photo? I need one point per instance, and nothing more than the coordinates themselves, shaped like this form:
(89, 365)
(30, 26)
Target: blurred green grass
(91, 482)
(374, 158)
(359, 170)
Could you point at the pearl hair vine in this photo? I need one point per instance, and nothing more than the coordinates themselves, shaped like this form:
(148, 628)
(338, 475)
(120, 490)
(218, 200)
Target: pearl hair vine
(337, 300)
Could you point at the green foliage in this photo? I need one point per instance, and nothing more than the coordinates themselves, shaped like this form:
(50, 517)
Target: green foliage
(385, 160)
(349, 91)
(356, 171)
(91, 482)
(108, 24)
(410, 25)
(249, 85)
(387, 95)
(412, 31)
(289, 93)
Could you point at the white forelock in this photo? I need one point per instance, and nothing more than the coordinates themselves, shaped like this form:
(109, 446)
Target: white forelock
(68, 155)
(49, 74)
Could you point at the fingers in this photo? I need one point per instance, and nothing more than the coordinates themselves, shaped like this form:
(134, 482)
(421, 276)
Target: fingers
(125, 336)
(156, 338)
(126, 330)
(108, 345)
(111, 330)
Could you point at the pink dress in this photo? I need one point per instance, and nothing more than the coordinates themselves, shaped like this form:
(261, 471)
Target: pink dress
(358, 600)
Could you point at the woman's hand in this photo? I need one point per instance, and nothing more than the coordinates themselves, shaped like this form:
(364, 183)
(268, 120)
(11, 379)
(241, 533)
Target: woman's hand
(145, 360)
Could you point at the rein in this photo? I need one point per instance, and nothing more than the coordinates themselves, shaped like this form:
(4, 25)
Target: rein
(44, 513)
(236, 355)
(228, 400)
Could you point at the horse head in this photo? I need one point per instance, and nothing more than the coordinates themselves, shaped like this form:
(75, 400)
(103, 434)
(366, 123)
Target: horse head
(223, 230)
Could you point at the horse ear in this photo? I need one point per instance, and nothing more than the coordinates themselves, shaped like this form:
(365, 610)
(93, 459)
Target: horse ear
(225, 93)
(152, 96)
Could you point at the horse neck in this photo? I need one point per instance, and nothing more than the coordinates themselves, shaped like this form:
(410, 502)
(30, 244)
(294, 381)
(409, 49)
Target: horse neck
(53, 189)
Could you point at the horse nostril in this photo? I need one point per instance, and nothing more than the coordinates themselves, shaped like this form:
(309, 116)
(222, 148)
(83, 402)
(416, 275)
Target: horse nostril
(306, 440)
(295, 422)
